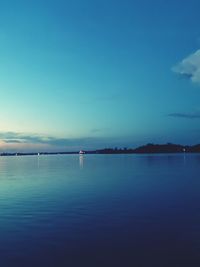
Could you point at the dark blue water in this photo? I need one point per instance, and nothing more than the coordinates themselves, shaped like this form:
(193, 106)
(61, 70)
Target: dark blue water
(100, 210)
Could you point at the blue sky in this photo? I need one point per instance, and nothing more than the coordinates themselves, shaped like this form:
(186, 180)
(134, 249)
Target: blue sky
(91, 74)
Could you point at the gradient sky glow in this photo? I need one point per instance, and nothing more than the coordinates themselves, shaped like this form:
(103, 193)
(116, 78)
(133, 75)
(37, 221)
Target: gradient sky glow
(92, 74)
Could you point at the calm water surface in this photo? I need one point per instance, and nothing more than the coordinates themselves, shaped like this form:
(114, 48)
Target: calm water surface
(100, 210)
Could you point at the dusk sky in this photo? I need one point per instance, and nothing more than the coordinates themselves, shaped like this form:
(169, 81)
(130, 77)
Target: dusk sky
(92, 74)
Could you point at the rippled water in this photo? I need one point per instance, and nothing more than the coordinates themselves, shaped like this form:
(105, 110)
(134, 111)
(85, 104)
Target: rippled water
(100, 210)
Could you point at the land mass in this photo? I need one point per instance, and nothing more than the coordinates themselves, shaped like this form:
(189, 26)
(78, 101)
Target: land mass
(146, 149)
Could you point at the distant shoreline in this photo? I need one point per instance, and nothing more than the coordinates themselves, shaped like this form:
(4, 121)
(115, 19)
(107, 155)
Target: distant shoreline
(146, 149)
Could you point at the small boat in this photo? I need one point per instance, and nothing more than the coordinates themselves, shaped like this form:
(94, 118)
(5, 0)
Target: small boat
(81, 152)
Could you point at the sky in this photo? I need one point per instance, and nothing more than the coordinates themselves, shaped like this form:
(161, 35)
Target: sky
(92, 74)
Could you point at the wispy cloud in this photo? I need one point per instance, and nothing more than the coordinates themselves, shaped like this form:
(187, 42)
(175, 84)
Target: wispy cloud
(14, 137)
(190, 67)
(96, 130)
(12, 141)
(195, 115)
(99, 130)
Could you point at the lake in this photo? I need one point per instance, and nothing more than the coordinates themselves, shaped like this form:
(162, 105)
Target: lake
(100, 210)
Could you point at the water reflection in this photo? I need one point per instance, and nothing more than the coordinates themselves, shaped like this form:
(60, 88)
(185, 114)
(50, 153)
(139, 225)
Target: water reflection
(129, 210)
(38, 162)
(81, 161)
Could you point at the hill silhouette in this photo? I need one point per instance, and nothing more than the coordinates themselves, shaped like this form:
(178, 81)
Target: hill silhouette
(146, 149)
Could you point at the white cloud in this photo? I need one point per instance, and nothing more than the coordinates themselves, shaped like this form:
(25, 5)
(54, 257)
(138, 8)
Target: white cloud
(190, 67)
